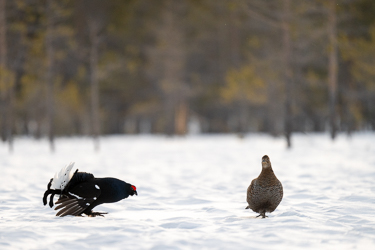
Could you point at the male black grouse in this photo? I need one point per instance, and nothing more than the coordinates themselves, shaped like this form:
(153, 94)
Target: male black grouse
(80, 192)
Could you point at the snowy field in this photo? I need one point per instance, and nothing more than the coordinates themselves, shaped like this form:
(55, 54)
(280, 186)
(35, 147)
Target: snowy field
(192, 193)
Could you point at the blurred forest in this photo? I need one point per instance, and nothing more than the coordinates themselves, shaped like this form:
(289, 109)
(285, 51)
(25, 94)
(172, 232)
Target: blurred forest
(93, 67)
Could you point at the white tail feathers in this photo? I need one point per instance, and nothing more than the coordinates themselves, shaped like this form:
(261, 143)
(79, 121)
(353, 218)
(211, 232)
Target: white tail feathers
(62, 178)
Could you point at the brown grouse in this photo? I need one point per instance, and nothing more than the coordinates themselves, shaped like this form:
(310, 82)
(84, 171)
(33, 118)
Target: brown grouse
(265, 192)
(80, 192)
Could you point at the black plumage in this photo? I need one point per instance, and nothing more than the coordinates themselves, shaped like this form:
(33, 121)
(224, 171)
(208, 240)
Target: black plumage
(83, 192)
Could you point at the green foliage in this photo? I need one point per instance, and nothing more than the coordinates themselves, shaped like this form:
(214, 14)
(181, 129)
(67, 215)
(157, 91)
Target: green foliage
(244, 85)
(361, 53)
(6, 79)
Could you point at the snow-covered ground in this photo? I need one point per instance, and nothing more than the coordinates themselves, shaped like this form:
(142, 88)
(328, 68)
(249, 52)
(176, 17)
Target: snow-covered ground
(192, 193)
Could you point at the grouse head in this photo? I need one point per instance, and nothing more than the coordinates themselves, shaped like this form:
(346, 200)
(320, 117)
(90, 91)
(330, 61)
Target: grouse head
(133, 190)
(266, 163)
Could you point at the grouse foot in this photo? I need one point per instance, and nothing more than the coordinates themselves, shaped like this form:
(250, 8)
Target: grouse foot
(263, 215)
(94, 214)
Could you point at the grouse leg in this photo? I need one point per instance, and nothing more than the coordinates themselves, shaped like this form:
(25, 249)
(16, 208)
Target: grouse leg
(94, 214)
(263, 214)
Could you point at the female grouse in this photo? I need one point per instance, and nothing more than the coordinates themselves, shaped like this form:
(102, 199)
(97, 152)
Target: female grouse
(265, 192)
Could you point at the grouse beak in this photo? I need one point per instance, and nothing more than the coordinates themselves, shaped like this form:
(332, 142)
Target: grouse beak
(265, 159)
(135, 192)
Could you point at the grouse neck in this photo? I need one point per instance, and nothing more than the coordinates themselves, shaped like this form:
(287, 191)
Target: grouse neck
(114, 188)
(267, 172)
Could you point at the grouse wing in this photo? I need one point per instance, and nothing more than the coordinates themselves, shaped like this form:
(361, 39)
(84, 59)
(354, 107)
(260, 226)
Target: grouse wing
(76, 200)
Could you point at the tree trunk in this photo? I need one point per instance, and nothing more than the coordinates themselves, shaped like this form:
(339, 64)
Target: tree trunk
(94, 37)
(287, 45)
(3, 55)
(181, 118)
(243, 119)
(49, 75)
(172, 36)
(273, 116)
(332, 67)
(169, 113)
(235, 40)
(6, 83)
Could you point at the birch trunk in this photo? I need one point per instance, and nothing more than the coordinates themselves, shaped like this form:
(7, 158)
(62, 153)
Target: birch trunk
(94, 37)
(3, 52)
(6, 83)
(287, 70)
(332, 67)
(49, 75)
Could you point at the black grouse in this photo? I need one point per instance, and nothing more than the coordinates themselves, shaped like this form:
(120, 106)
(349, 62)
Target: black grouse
(265, 192)
(80, 192)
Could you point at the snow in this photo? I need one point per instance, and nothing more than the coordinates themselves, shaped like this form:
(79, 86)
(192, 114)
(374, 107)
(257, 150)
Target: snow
(192, 193)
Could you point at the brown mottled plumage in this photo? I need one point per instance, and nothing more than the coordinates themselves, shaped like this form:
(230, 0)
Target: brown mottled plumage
(265, 192)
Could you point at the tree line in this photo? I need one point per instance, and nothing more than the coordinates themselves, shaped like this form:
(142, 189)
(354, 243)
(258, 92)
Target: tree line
(92, 67)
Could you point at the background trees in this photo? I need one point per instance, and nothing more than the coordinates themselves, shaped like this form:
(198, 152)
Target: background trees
(136, 66)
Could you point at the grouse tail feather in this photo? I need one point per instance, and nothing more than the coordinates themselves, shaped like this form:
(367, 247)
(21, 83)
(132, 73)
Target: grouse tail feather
(62, 178)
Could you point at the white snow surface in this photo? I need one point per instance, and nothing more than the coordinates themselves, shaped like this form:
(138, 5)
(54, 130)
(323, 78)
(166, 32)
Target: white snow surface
(192, 193)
